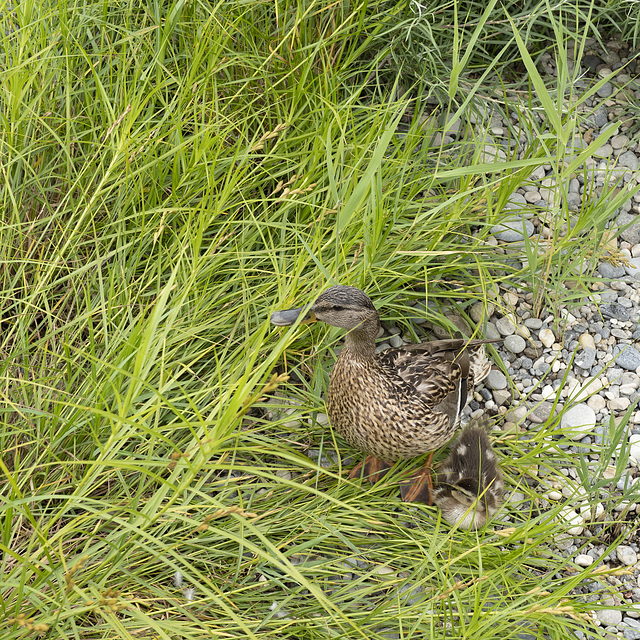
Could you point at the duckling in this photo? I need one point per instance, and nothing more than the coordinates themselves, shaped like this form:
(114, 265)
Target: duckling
(469, 487)
(397, 404)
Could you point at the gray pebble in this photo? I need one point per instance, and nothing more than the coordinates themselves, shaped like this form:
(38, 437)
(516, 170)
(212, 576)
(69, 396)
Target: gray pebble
(614, 310)
(610, 272)
(632, 233)
(578, 421)
(586, 358)
(501, 396)
(496, 380)
(513, 230)
(505, 326)
(396, 341)
(383, 346)
(533, 323)
(629, 159)
(515, 343)
(605, 90)
(600, 116)
(628, 358)
(631, 634)
(541, 412)
(609, 616)
(526, 363)
(626, 555)
(633, 269)
(491, 332)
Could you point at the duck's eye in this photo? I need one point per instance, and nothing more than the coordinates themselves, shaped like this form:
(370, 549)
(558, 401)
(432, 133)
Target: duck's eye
(336, 307)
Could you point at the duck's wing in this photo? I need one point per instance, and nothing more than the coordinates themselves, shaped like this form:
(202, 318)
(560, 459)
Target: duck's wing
(431, 377)
(439, 367)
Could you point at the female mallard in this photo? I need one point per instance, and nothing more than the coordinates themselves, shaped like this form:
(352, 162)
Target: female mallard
(469, 486)
(397, 404)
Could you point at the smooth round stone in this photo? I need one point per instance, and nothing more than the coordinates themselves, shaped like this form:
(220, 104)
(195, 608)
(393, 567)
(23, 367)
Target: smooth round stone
(496, 380)
(396, 341)
(632, 232)
(605, 90)
(513, 230)
(578, 422)
(574, 200)
(610, 272)
(568, 516)
(541, 413)
(583, 560)
(619, 404)
(490, 153)
(629, 159)
(604, 151)
(634, 453)
(501, 396)
(491, 332)
(588, 388)
(630, 633)
(626, 555)
(586, 358)
(628, 358)
(548, 392)
(633, 269)
(515, 344)
(597, 403)
(480, 311)
(617, 142)
(609, 617)
(533, 323)
(505, 326)
(546, 337)
(586, 341)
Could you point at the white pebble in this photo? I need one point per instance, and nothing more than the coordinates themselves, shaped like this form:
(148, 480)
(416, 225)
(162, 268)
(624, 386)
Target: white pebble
(597, 403)
(567, 515)
(578, 421)
(583, 560)
(546, 337)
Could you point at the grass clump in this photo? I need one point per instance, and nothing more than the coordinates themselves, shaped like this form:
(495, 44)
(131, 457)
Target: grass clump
(171, 173)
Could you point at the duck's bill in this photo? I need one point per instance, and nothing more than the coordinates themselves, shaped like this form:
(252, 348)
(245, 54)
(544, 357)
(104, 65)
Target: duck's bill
(289, 317)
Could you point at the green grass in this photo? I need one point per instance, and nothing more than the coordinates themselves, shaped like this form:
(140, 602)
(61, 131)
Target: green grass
(172, 173)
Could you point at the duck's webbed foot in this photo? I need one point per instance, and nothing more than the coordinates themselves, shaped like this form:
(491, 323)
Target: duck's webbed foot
(419, 488)
(371, 468)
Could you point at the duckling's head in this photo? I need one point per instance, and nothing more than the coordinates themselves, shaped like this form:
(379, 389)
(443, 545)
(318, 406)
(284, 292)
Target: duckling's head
(341, 306)
(462, 504)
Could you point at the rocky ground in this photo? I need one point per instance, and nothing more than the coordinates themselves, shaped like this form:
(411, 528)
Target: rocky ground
(576, 370)
(584, 360)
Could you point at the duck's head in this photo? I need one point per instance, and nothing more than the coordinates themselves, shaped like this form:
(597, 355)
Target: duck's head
(340, 306)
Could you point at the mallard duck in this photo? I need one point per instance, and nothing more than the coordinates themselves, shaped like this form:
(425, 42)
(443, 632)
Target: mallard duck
(397, 404)
(469, 486)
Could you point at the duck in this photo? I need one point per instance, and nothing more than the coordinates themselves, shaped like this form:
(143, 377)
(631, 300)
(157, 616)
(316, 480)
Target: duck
(400, 403)
(468, 488)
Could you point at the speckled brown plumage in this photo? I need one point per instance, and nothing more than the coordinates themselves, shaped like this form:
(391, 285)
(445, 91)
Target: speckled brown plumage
(469, 485)
(403, 402)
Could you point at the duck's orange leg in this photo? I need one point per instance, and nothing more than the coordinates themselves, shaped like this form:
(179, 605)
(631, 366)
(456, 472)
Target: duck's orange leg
(420, 487)
(372, 468)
